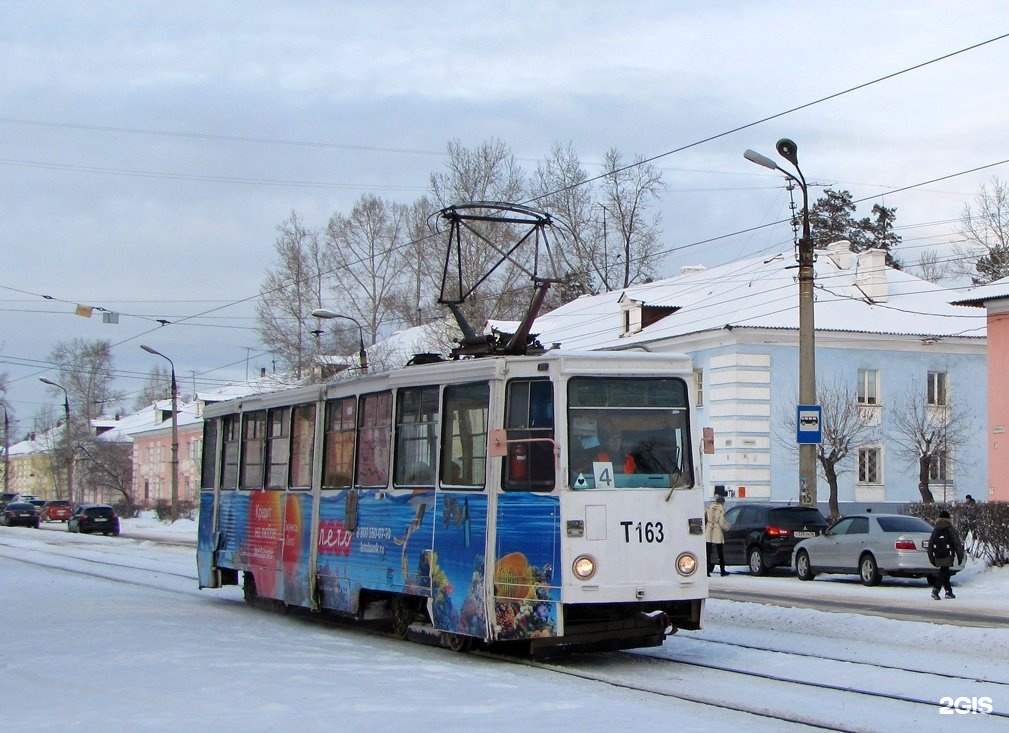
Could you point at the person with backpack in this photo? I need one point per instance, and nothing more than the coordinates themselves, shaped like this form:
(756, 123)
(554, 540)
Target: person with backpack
(942, 546)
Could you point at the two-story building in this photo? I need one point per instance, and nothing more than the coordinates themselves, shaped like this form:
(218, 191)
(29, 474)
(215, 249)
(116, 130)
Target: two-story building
(994, 298)
(891, 338)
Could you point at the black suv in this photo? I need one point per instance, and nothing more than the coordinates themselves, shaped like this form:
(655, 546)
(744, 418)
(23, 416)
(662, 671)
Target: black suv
(89, 518)
(762, 536)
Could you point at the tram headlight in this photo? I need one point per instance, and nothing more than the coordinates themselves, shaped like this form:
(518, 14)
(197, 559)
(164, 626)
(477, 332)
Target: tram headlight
(686, 564)
(584, 567)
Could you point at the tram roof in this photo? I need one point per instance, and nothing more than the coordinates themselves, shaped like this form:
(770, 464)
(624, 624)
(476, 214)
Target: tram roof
(601, 363)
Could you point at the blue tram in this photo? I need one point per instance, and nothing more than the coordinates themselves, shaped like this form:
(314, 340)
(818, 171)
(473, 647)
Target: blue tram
(546, 501)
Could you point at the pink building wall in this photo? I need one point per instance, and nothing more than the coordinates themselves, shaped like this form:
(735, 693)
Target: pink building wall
(998, 405)
(152, 464)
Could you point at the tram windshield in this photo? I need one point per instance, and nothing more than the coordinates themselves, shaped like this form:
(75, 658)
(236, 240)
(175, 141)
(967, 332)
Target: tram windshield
(628, 433)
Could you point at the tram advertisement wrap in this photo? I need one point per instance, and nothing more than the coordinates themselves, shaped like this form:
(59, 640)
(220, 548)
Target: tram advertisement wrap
(267, 533)
(411, 543)
(526, 591)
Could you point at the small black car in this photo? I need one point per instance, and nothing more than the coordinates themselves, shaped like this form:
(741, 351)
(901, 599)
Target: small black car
(20, 513)
(88, 518)
(762, 536)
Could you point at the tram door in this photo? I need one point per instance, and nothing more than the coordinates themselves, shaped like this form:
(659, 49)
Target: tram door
(526, 545)
(458, 567)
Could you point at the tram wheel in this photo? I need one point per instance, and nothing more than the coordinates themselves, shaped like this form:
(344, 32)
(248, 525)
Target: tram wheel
(249, 589)
(457, 642)
(403, 614)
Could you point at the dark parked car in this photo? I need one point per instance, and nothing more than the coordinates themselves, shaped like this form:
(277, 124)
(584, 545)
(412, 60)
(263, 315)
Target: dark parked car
(88, 518)
(20, 513)
(7, 497)
(762, 536)
(56, 510)
(870, 546)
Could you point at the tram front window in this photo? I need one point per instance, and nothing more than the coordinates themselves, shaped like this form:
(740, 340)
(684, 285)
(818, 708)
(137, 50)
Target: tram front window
(628, 433)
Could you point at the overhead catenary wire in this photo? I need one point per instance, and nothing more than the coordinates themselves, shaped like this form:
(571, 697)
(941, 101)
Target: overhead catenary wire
(188, 319)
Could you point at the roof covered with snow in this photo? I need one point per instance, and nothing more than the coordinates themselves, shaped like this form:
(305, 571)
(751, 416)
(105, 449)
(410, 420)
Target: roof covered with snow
(853, 293)
(992, 291)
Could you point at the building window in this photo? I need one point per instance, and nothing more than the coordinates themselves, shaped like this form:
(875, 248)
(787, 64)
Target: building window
(699, 387)
(938, 469)
(937, 388)
(868, 386)
(870, 465)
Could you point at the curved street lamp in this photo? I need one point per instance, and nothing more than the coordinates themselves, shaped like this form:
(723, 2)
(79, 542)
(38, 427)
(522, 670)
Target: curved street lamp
(362, 352)
(175, 433)
(788, 150)
(70, 445)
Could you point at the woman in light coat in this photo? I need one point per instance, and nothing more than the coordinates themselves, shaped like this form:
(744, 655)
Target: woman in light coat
(714, 533)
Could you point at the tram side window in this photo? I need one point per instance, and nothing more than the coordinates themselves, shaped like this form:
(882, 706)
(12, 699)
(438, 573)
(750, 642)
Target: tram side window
(338, 451)
(374, 441)
(278, 449)
(208, 462)
(229, 453)
(529, 421)
(416, 436)
(302, 446)
(253, 449)
(464, 435)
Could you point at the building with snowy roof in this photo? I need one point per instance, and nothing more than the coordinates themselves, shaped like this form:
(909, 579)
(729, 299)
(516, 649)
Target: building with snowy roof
(882, 333)
(994, 298)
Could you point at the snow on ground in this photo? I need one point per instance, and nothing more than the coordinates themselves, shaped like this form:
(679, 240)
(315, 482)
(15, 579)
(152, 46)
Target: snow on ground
(87, 654)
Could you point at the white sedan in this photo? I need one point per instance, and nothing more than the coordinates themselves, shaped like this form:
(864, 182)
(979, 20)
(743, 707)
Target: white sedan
(870, 546)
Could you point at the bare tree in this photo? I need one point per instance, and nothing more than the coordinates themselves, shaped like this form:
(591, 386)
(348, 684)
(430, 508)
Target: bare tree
(931, 436)
(157, 387)
(86, 372)
(288, 295)
(932, 268)
(488, 172)
(416, 293)
(984, 252)
(631, 239)
(364, 256)
(844, 427)
(559, 186)
(110, 467)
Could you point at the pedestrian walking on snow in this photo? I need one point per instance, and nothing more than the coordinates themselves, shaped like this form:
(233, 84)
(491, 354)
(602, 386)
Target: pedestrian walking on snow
(714, 533)
(943, 545)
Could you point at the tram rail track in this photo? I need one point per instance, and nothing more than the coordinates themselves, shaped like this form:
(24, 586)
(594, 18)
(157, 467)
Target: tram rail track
(744, 678)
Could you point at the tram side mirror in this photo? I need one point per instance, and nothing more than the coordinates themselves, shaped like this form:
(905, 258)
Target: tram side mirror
(497, 443)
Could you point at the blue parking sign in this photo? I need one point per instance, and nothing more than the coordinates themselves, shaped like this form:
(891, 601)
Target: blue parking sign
(808, 420)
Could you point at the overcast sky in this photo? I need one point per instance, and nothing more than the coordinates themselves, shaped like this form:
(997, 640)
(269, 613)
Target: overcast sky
(148, 151)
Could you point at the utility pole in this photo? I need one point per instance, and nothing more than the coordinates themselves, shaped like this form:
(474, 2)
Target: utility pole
(788, 150)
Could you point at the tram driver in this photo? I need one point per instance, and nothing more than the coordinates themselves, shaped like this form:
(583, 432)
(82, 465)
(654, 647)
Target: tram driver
(611, 450)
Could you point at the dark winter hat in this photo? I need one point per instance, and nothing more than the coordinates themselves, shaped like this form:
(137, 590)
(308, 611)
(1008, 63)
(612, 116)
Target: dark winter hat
(720, 499)
(944, 514)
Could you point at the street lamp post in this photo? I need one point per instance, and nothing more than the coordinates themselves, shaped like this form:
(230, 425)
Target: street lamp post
(175, 433)
(362, 352)
(788, 150)
(70, 445)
